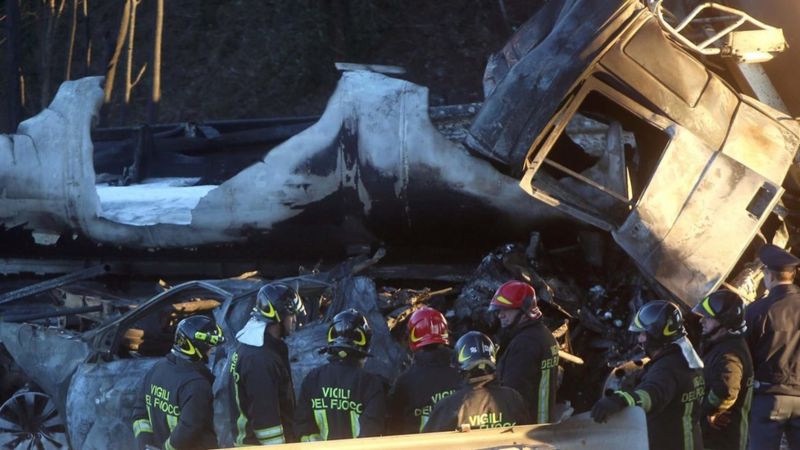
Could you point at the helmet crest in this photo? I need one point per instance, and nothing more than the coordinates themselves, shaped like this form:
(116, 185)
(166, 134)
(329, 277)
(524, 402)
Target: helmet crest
(349, 334)
(725, 306)
(516, 295)
(276, 300)
(662, 321)
(475, 353)
(427, 326)
(194, 336)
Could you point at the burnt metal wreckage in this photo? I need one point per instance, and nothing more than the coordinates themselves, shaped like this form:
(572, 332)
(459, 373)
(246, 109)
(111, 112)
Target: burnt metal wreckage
(613, 121)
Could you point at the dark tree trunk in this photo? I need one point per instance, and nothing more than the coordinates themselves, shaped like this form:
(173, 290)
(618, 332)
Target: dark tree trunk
(13, 70)
(155, 94)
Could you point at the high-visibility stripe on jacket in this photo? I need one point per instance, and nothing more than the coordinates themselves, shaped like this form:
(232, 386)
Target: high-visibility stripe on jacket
(173, 406)
(529, 364)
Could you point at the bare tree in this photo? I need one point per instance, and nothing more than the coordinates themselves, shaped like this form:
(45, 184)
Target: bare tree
(73, 29)
(129, 82)
(88, 34)
(13, 72)
(51, 14)
(112, 65)
(155, 97)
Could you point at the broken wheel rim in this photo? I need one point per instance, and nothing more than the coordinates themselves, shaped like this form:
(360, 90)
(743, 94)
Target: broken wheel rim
(30, 420)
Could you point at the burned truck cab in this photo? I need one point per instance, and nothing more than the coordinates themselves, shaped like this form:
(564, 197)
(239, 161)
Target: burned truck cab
(604, 116)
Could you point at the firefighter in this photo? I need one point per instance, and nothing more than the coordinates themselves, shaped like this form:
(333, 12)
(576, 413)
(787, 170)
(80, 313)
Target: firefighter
(431, 376)
(340, 399)
(261, 386)
(173, 406)
(728, 371)
(672, 386)
(528, 360)
(481, 402)
(773, 324)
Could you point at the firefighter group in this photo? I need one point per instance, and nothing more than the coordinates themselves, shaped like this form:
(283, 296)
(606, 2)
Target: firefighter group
(743, 392)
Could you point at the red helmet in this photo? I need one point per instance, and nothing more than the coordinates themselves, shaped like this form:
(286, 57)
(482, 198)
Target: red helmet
(427, 326)
(515, 295)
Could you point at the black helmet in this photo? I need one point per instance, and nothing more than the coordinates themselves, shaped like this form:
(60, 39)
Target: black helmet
(276, 300)
(475, 351)
(662, 321)
(348, 333)
(725, 306)
(194, 336)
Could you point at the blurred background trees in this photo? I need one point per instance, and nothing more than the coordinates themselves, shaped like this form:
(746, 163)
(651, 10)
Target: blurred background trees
(177, 60)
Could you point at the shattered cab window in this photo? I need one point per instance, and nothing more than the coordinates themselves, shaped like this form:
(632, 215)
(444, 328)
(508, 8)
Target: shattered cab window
(603, 160)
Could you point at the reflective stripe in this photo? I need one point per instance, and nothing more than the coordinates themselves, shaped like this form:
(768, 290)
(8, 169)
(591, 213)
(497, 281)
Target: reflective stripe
(687, 426)
(355, 424)
(423, 420)
(543, 414)
(744, 424)
(311, 438)
(241, 421)
(644, 399)
(168, 445)
(141, 426)
(707, 307)
(321, 417)
(273, 441)
(270, 432)
(627, 397)
(172, 422)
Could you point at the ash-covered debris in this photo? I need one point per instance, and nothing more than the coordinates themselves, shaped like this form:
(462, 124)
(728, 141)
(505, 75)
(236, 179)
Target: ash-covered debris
(586, 306)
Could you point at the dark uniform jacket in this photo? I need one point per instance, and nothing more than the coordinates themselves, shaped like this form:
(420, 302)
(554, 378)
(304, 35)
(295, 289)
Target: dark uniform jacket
(481, 403)
(529, 364)
(263, 393)
(341, 400)
(430, 378)
(671, 394)
(728, 374)
(173, 406)
(774, 340)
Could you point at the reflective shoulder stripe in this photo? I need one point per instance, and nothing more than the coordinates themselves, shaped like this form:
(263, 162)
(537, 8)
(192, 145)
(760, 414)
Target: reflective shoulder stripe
(643, 399)
(168, 445)
(627, 397)
(268, 433)
(142, 426)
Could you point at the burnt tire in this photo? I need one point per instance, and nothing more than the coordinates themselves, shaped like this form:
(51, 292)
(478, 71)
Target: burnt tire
(29, 420)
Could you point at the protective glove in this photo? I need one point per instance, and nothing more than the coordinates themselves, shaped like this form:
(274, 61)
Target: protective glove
(719, 421)
(606, 407)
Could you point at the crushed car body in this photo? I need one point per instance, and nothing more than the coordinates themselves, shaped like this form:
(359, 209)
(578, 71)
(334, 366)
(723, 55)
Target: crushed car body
(93, 376)
(692, 168)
